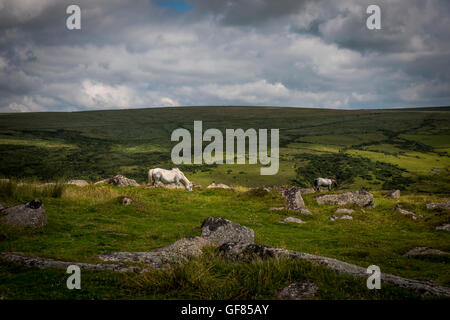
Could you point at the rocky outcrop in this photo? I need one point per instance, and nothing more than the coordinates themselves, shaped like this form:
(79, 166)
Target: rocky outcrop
(294, 200)
(120, 181)
(298, 291)
(31, 214)
(161, 258)
(293, 220)
(409, 214)
(345, 210)
(393, 194)
(50, 263)
(218, 186)
(420, 251)
(343, 217)
(439, 205)
(361, 198)
(220, 231)
(78, 183)
(245, 252)
(445, 227)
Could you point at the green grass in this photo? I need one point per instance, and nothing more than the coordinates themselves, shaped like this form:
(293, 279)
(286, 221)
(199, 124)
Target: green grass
(373, 149)
(86, 222)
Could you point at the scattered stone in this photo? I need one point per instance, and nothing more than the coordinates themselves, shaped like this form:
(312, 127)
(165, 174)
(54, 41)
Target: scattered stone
(50, 263)
(345, 210)
(79, 183)
(343, 217)
(410, 214)
(120, 181)
(298, 291)
(31, 214)
(161, 258)
(418, 251)
(393, 194)
(361, 198)
(217, 186)
(439, 205)
(277, 208)
(238, 252)
(126, 201)
(445, 227)
(292, 219)
(220, 231)
(294, 200)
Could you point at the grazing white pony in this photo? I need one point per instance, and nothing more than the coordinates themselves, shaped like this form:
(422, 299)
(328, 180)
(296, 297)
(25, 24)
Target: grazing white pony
(168, 176)
(325, 182)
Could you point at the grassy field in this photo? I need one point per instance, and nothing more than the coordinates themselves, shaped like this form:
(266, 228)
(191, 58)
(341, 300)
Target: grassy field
(377, 150)
(98, 144)
(86, 222)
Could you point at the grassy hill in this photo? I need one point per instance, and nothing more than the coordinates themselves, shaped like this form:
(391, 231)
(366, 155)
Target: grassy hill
(375, 149)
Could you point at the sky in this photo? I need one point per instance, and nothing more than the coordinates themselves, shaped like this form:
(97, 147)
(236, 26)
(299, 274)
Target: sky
(299, 53)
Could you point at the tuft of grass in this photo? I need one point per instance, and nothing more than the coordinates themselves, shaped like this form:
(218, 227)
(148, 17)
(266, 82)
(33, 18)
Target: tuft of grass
(24, 192)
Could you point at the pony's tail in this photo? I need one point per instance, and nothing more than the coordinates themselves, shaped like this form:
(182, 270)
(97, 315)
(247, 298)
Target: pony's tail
(150, 177)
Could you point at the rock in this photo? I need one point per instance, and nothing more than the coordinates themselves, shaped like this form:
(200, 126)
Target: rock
(294, 200)
(393, 194)
(292, 219)
(126, 201)
(345, 210)
(104, 181)
(220, 231)
(361, 198)
(161, 258)
(1, 206)
(79, 183)
(439, 205)
(31, 214)
(410, 214)
(343, 217)
(418, 251)
(217, 186)
(238, 252)
(50, 263)
(277, 208)
(120, 181)
(307, 190)
(445, 227)
(298, 291)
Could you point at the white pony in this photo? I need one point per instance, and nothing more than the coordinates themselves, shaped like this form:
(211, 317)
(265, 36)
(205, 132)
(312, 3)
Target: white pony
(168, 176)
(326, 182)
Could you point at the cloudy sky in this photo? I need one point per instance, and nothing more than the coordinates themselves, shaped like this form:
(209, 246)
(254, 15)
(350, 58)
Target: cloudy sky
(151, 53)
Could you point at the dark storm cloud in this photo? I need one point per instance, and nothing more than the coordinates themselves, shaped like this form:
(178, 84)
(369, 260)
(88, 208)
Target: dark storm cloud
(148, 53)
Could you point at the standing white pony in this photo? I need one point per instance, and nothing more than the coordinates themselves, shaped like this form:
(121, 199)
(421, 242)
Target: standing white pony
(326, 182)
(168, 176)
